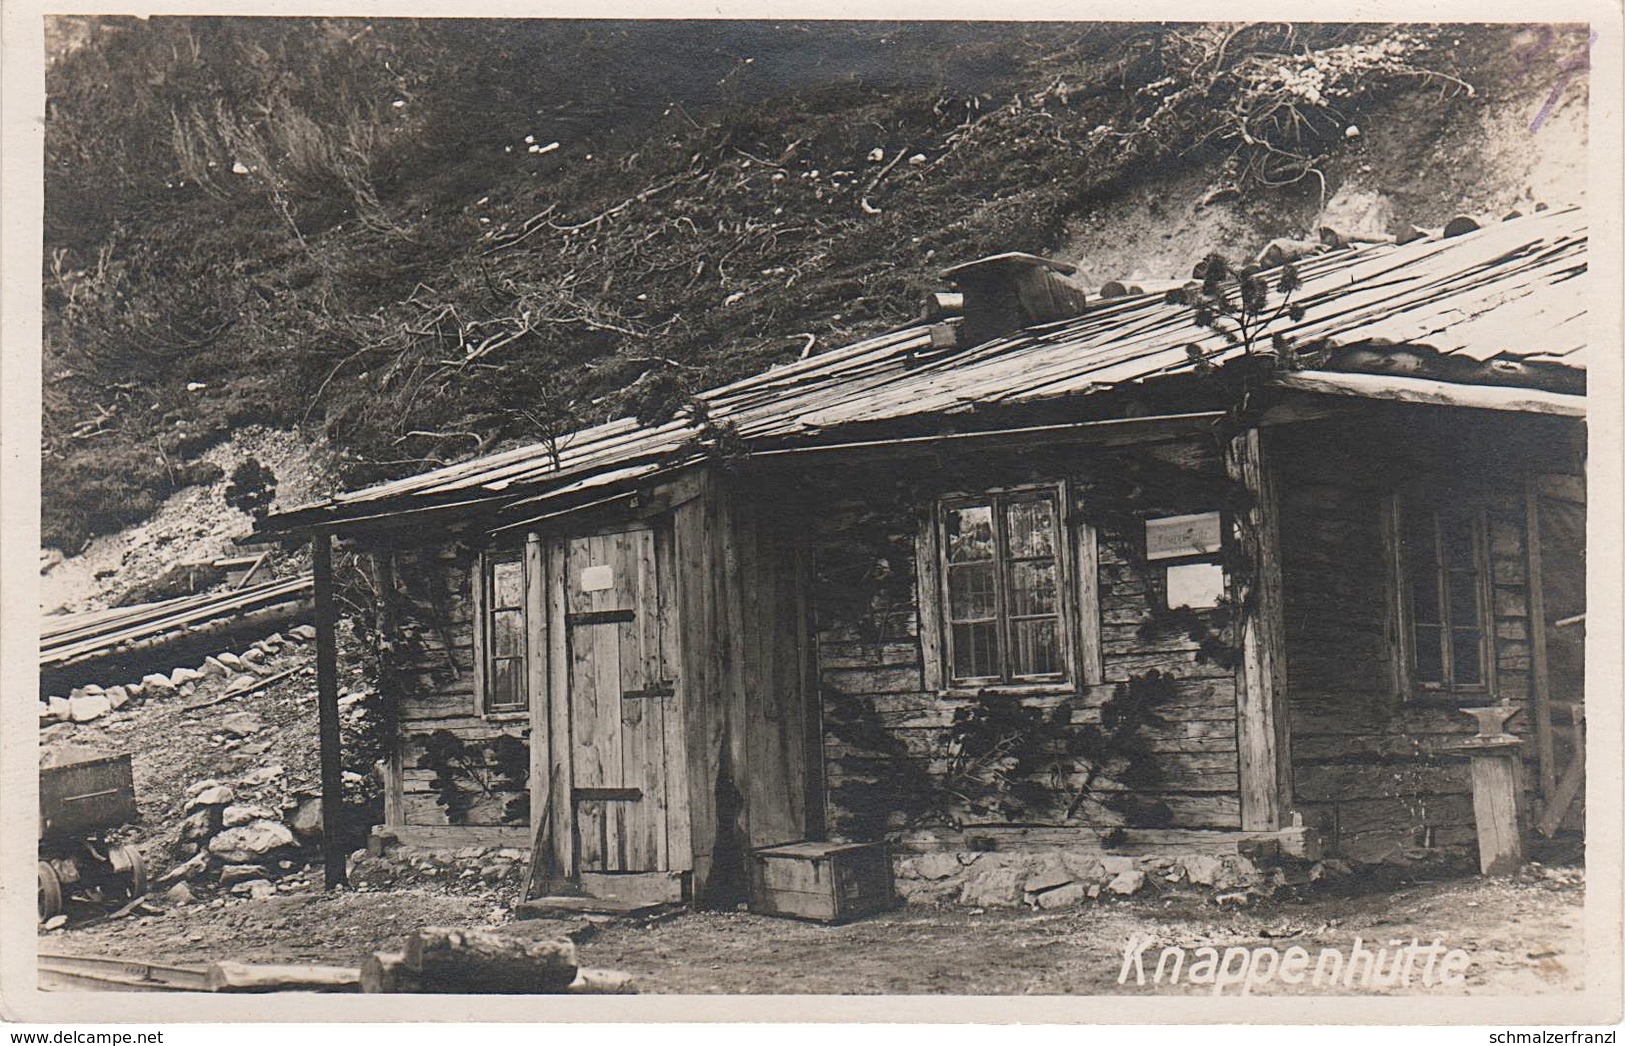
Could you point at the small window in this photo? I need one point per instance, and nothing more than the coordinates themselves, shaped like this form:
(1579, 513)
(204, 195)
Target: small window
(1003, 577)
(503, 629)
(1445, 588)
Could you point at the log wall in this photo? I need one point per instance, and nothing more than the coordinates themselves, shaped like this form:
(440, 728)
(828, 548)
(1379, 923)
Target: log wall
(430, 676)
(1372, 766)
(889, 741)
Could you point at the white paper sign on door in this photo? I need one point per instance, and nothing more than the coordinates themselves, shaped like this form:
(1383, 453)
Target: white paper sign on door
(598, 578)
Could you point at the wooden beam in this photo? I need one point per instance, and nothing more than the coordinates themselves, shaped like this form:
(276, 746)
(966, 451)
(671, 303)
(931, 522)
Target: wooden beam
(383, 576)
(327, 702)
(1438, 393)
(1262, 734)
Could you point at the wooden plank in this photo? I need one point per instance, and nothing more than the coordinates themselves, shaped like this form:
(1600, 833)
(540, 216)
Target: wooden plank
(678, 844)
(561, 772)
(1429, 391)
(1540, 676)
(1087, 617)
(536, 671)
(697, 604)
(1261, 724)
(480, 605)
(928, 596)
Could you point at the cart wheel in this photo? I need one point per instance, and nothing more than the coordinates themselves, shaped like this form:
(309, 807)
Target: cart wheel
(50, 892)
(131, 868)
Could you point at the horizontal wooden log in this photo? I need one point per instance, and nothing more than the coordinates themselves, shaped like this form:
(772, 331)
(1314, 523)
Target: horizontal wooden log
(832, 655)
(902, 680)
(244, 977)
(440, 837)
(480, 962)
(1025, 838)
(1327, 783)
(386, 973)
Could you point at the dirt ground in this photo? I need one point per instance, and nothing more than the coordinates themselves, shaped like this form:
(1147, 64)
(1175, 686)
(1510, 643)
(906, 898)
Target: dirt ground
(1523, 936)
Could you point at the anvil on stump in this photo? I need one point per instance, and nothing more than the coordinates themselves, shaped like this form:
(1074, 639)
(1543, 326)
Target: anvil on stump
(1497, 794)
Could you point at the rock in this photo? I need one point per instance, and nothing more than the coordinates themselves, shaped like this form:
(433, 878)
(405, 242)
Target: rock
(272, 643)
(239, 815)
(240, 724)
(243, 844)
(260, 668)
(303, 633)
(135, 690)
(157, 685)
(992, 886)
(1127, 882)
(241, 681)
(1063, 896)
(262, 775)
(1235, 870)
(1083, 867)
(84, 709)
(88, 690)
(1202, 869)
(44, 711)
(1357, 215)
(1047, 880)
(56, 922)
(935, 865)
(198, 862)
(219, 795)
(256, 889)
(232, 874)
(181, 676)
(117, 696)
(58, 708)
(1117, 864)
(1237, 898)
(252, 656)
(1094, 890)
(180, 893)
(230, 660)
(200, 824)
(255, 748)
(214, 668)
(198, 786)
(307, 819)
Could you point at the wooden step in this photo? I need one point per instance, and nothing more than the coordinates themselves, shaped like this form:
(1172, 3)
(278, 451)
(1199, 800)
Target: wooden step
(566, 906)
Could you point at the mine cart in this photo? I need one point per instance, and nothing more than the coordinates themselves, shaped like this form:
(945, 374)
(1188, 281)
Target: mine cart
(83, 795)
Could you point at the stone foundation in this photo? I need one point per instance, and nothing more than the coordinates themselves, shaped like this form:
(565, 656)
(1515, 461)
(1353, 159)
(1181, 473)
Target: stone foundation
(491, 866)
(1050, 879)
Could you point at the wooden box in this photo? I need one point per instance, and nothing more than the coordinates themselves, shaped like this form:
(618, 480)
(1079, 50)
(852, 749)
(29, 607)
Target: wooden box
(828, 882)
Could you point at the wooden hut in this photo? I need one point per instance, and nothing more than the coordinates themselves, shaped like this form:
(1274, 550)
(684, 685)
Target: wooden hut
(1109, 582)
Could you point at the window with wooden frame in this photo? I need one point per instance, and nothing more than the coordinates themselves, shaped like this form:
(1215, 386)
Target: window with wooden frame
(503, 680)
(1445, 620)
(997, 599)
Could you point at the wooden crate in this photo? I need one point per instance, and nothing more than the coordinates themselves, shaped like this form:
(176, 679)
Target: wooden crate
(827, 882)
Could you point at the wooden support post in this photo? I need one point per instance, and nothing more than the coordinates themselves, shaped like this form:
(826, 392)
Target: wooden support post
(327, 702)
(1540, 685)
(1497, 791)
(1262, 734)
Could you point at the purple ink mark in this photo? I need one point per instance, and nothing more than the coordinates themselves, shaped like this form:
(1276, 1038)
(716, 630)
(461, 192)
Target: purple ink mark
(1566, 70)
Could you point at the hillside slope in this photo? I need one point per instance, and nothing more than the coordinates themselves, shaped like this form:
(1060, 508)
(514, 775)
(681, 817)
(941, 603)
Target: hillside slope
(417, 241)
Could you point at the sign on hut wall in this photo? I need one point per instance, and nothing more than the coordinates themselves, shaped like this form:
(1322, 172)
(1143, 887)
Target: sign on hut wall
(1175, 536)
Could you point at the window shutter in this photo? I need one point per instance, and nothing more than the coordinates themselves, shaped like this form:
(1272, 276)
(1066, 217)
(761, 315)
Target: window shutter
(928, 586)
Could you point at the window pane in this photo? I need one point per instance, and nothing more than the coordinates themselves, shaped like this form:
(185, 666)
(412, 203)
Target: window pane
(970, 533)
(970, 591)
(1429, 655)
(976, 650)
(1030, 527)
(1425, 597)
(1466, 656)
(506, 684)
(1037, 652)
(1456, 539)
(507, 633)
(1032, 588)
(507, 583)
(1463, 589)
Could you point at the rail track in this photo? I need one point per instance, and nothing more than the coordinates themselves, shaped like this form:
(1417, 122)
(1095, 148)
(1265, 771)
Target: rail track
(62, 973)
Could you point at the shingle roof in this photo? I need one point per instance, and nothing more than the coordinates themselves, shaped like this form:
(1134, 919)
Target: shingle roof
(1510, 290)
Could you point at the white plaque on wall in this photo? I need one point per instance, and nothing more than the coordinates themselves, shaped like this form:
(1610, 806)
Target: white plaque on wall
(598, 578)
(1195, 585)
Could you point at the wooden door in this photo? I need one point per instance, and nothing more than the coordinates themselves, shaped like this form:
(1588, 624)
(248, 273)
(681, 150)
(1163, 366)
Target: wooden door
(629, 787)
